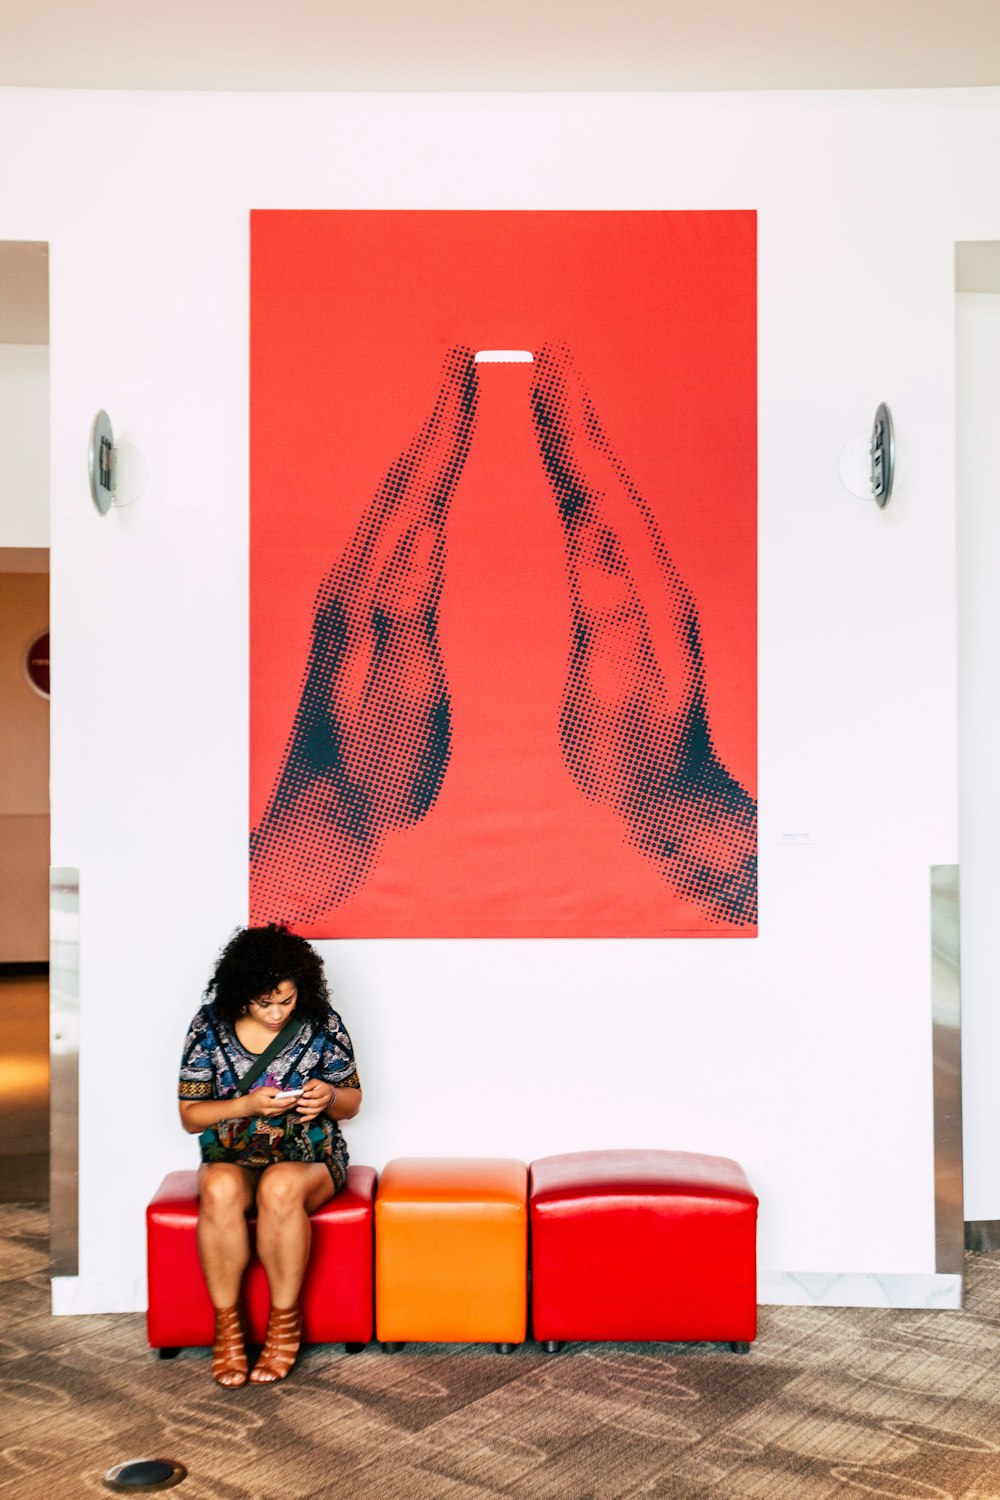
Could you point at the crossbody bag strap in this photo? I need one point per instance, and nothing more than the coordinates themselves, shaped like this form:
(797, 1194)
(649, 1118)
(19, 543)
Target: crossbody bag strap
(304, 1049)
(266, 1058)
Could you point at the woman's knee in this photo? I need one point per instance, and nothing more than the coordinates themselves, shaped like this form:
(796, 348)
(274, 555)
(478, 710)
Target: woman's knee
(222, 1192)
(281, 1192)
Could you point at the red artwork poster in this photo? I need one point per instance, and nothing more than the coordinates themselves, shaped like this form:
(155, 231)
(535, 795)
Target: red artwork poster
(503, 613)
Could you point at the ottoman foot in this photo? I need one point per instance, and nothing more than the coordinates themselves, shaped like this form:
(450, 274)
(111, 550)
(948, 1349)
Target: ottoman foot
(506, 1348)
(353, 1348)
(738, 1346)
(167, 1353)
(391, 1346)
(552, 1346)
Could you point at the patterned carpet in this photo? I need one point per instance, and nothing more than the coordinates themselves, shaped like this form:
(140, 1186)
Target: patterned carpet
(830, 1402)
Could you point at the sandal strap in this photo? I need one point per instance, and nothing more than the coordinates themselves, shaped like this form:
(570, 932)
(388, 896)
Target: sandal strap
(284, 1318)
(228, 1353)
(284, 1331)
(284, 1336)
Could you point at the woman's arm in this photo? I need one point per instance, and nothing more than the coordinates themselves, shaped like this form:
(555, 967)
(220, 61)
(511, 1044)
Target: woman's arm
(345, 1105)
(198, 1114)
(319, 1098)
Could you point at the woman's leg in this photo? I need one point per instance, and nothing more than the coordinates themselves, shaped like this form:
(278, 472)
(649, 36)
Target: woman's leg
(226, 1192)
(287, 1193)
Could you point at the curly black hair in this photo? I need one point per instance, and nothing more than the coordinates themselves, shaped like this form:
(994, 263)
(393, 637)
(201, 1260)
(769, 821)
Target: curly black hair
(256, 960)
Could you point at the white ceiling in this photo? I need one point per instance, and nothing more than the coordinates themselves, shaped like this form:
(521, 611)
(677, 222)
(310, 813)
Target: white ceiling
(499, 44)
(484, 44)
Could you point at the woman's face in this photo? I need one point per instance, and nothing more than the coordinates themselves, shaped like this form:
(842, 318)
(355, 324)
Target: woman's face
(274, 1009)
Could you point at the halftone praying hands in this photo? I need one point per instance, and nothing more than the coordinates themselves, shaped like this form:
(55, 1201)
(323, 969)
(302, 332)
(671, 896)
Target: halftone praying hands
(634, 723)
(371, 740)
(372, 735)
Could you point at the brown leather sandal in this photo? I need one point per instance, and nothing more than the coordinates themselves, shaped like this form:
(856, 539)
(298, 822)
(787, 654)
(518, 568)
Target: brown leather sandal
(229, 1357)
(284, 1335)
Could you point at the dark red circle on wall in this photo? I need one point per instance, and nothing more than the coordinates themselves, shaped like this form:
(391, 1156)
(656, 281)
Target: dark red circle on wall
(36, 664)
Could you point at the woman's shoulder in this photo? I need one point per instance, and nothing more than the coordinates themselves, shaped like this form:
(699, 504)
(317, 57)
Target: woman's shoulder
(331, 1023)
(205, 1021)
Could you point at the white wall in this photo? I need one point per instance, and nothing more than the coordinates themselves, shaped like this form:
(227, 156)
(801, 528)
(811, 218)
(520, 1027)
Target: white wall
(978, 389)
(806, 1053)
(24, 443)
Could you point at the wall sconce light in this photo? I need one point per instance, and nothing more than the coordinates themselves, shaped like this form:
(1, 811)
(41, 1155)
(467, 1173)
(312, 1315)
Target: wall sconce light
(118, 472)
(101, 463)
(867, 465)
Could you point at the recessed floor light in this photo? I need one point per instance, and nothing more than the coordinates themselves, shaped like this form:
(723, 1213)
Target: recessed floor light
(145, 1474)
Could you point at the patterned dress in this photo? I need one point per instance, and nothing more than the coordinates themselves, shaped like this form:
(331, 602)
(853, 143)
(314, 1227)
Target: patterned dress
(215, 1060)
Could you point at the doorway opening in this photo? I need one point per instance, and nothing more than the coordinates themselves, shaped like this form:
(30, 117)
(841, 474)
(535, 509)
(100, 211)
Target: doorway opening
(24, 722)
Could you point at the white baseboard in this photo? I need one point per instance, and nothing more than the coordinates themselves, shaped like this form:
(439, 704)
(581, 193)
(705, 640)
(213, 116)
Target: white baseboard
(858, 1289)
(75, 1295)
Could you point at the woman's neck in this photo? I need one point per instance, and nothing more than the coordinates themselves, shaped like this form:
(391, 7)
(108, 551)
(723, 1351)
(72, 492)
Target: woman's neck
(252, 1035)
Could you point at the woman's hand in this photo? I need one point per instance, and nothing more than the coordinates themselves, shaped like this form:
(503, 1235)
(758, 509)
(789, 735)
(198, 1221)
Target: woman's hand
(200, 1114)
(316, 1097)
(264, 1103)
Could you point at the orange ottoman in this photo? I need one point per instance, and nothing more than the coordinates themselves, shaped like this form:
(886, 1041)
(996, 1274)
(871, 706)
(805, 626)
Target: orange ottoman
(451, 1251)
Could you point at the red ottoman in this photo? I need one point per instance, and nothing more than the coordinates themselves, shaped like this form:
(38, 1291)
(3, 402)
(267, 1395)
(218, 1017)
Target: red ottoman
(642, 1245)
(336, 1296)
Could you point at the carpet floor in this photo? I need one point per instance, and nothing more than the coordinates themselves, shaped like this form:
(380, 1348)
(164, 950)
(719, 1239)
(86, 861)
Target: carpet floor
(829, 1402)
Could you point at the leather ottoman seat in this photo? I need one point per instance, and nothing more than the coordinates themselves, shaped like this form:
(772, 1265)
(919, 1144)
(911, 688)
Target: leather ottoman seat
(336, 1298)
(451, 1251)
(642, 1245)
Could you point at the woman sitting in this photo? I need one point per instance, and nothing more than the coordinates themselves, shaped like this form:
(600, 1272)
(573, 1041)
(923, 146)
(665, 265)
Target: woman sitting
(268, 1133)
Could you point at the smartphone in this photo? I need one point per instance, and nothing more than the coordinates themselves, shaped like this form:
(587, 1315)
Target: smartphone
(284, 1094)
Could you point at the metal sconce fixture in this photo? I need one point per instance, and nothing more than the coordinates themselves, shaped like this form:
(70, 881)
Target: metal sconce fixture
(118, 472)
(883, 456)
(101, 463)
(867, 465)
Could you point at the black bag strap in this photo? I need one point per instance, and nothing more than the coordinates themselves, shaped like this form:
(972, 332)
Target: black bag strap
(268, 1056)
(304, 1049)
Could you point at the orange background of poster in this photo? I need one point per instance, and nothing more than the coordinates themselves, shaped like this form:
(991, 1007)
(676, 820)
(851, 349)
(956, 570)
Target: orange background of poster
(351, 314)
